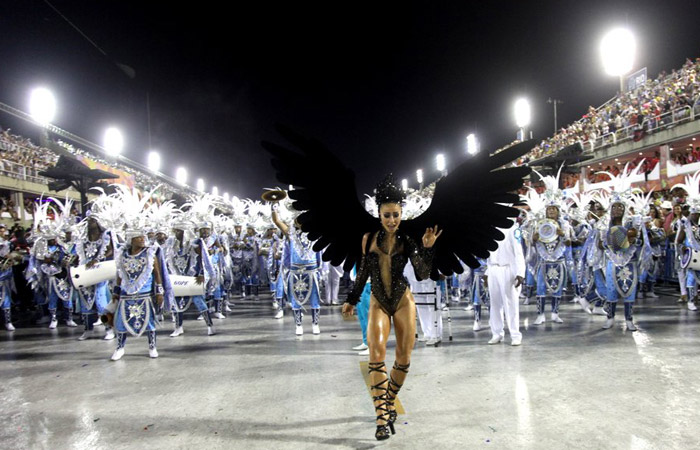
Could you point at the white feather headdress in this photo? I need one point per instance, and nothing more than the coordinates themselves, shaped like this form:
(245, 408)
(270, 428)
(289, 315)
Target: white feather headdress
(621, 187)
(692, 188)
(201, 210)
(553, 196)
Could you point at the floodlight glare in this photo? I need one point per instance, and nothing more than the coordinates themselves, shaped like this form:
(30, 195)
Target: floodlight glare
(200, 185)
(440, 162)
(419, 175)
(226, 197)
(42, 105)
(215, 191)
(471, 144)
(154, 161)
(114, 141)
(522, 113)
(617, 50)
(404, 184)
(181, 175)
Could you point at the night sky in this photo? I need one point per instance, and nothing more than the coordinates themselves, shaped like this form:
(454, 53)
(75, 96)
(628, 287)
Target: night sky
(385, 86)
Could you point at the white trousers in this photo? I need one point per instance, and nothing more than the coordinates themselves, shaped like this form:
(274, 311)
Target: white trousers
(333, 283)
(427, 317)
(504, 301)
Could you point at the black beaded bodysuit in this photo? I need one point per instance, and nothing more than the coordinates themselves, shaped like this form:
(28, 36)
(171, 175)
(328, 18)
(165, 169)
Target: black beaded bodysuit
(405, 248)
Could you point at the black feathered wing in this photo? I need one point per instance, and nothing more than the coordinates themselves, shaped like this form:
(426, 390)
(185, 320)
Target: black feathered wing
(325, 190)
(466, 208)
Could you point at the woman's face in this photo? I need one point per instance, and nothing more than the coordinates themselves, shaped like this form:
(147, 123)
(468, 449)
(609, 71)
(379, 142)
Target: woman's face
(390, 216)
(677, 210)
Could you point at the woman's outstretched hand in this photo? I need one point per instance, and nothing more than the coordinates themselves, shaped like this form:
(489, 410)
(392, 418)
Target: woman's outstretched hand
(430, 236)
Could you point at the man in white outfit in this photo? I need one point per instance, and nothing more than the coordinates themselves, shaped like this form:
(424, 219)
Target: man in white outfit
(331, 277)
(505, 270)
(430, 319)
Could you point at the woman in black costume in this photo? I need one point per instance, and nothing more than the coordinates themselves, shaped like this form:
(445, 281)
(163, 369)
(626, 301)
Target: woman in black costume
(381, 251)
(385, 254)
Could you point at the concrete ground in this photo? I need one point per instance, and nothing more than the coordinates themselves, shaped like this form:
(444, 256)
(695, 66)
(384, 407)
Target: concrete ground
(255, 385)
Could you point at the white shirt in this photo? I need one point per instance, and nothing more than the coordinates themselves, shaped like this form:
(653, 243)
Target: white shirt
(509, 252)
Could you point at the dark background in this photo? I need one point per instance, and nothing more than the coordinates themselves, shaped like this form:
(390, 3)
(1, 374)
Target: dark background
(385, 85)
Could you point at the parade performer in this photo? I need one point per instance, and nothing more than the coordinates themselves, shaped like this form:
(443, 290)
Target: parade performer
(47, 271)
(7, 260)
(142, 281)
(184, 259)
(505, 273)
(623, 244)
(479, 293)
(302, 283)
(93, 246)
(382, 248)
(688, 238)
(551, 249)
(534, 212)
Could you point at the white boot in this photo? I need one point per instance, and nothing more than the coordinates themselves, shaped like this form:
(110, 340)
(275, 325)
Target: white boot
(98, 323)
(315, 329)
(526, 301)
(153, 352)
(556, 318)
(691, 306)
(275, 305)
(540, 319)
(585, 305)
(109, 335)
(631, 326)
(364, 352)
(53, 324)
(495, 340)
(362, 346)
(477, 326)
(117, 355)
(71, 323)
(86, 335)
(9, 326)
(200, 317)
(609, 324)
(177, 332)
(279, 314)
(210, 331)
(299, 331)
(599, 311)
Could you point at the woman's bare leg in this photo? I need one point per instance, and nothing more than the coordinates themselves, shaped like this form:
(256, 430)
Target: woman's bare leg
(405, 329)
(378, 328)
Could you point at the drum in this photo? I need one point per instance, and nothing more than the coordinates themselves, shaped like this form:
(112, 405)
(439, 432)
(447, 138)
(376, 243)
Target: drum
(81, 276)
(547, 229)
(184, 286)
(690, 259)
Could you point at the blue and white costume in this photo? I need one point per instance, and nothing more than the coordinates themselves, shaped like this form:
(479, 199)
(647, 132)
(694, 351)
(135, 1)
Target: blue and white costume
(302, 282)
(94, 299)
(7, 284)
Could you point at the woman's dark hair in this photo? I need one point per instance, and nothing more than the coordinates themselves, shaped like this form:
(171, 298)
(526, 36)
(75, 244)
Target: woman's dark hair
(388, 192)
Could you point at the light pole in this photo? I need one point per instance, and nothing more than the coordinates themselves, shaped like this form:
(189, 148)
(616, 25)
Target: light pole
(114, 142)
(404, 184)
(617, 49)
(419, 178)
(215, 191)
(472, 144)
(200, 185)
(440, 164)
(42, 108)
(522, 118)
(181, 175)
(555, 102)
(154, 161)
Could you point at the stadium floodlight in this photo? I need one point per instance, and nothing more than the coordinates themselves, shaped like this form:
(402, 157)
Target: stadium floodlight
(404, 184)
(226, 197)
(200, 185)
(522, 113)
(181, 175)
(114, 141)
(617, 49)
(440, 162)
(42, 105)
(215, 191)
(472, 144)
(419, 176)
(154, 161)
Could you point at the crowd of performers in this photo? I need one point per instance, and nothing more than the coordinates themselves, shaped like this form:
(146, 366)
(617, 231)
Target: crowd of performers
(145, 249)
(603, 247)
